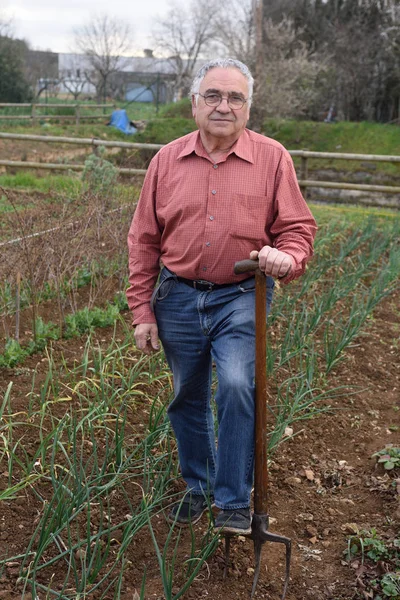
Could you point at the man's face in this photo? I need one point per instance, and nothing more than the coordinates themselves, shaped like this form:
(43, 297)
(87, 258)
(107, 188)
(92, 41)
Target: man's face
(222, 121)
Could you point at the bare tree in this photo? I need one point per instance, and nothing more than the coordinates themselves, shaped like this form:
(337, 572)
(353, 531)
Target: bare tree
(290, 72)
(285, 69)
(235, 30)
(73, 75)
(74, 85)
(185, 34)
(105, 41)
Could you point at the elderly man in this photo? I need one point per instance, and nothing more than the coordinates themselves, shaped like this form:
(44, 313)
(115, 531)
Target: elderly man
(209, 199)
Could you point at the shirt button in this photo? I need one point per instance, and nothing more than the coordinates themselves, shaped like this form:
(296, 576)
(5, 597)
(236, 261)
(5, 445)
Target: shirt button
(208, 243)
(211, 218)
(214, 192)
(204, 268)
(215, 166)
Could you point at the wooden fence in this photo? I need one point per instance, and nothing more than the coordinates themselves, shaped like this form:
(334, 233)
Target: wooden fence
(36, 114)
(304, 155)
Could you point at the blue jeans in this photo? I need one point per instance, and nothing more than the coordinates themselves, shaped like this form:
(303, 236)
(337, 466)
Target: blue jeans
(196, 329)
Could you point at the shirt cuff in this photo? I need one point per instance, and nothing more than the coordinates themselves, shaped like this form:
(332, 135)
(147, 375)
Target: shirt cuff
(143, 314)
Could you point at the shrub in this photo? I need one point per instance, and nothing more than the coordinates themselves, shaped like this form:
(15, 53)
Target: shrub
(99, 175)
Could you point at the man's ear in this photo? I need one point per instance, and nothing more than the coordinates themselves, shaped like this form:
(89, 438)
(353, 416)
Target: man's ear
(194, 105)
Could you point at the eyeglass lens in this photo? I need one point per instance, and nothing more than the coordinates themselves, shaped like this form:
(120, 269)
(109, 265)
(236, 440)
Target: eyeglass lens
(233, 100)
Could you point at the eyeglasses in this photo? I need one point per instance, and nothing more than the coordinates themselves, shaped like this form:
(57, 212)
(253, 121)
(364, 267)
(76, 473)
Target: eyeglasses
(234, 101)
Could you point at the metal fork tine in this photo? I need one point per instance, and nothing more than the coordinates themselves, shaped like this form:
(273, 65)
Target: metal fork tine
(257, 554)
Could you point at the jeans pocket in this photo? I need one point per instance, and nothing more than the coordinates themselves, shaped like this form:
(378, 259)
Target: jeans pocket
(162, 289)
(248, 285)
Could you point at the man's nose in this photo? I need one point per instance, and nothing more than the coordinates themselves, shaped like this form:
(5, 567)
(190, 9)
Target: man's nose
(224, 106)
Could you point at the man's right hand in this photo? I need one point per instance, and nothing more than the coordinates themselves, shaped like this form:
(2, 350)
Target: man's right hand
(146, 337)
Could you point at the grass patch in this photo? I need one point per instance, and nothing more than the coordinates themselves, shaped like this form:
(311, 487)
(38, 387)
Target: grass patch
(60, 189)
(165, 130)
(60, 184)
(343, 137)
(356, 215)
(63, 129)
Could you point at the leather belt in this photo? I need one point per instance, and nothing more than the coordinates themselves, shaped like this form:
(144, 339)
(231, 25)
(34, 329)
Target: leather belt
(203, 286)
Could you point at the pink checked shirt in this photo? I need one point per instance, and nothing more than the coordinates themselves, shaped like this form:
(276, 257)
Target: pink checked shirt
(200, 217)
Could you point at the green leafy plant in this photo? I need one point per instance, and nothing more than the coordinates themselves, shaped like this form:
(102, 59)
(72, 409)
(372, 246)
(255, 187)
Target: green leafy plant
(99, 174)
(367, 543)
(388, 457)
(44, 332)
(121, 301)
(390, 584)
(382, 553)
(85, 320)
(13, 354)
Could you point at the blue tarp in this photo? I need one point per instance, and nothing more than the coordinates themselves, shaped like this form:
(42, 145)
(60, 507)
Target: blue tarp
(120, 120)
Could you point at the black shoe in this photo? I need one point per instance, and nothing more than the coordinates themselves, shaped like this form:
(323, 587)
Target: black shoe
(190, 509)
(234, 521)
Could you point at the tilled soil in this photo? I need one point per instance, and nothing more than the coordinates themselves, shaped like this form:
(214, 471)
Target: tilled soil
(324, 486)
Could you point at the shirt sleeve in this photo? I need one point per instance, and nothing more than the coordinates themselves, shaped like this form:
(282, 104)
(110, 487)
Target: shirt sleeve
(144, 249)
(294, 227)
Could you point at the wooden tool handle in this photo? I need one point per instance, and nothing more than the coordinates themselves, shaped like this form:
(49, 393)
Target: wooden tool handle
(244, 266)
(260, 432)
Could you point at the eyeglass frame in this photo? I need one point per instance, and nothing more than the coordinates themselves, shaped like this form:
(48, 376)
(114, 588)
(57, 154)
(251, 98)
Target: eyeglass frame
(227, 98)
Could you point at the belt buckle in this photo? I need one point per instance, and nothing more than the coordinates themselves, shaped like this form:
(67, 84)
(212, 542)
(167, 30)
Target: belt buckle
(202, 283)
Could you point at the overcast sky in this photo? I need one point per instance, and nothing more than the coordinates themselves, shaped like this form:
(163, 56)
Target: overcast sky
(49, 24)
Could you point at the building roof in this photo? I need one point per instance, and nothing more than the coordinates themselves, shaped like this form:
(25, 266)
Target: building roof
(128, 64)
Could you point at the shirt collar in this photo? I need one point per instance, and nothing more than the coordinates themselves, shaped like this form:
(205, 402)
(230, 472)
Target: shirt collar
(243, 148)
(191, 145)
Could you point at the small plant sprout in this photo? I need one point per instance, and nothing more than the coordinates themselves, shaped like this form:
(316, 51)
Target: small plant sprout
(381, 556)
(388, 457)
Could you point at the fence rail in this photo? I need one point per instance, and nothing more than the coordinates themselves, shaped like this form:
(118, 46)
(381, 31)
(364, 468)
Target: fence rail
(77, 141)
(305, 156)
(63, 167)
(52, 105)
(36, 115)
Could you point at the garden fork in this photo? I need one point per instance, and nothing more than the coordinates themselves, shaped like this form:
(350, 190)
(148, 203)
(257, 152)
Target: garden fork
(260, 521)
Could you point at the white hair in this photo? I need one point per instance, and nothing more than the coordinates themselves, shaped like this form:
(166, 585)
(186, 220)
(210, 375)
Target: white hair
(223, 63)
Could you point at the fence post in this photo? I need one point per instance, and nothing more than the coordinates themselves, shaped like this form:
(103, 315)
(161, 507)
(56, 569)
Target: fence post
(33, 114)
(77, 114)
(304, 175)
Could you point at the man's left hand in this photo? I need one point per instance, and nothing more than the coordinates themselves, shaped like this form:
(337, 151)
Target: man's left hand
(273, 262)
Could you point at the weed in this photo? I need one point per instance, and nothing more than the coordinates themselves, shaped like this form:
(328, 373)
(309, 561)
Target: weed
(388, 457)
(76, 324)
(383, 557)
(390, 584)
(44, 332)
(13, 354)
(85, 320)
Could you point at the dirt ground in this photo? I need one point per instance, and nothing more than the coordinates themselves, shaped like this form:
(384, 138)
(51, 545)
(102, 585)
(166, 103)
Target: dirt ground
(323, 485)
